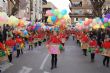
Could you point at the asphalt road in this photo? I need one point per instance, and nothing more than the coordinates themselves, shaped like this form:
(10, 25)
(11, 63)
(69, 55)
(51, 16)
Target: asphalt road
(70, 61)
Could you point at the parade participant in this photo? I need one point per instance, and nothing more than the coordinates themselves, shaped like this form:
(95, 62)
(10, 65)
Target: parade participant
(1, 35)
(31, 41)
(9, 44)
(106, 53)
(62, 38)
(92, 48)
(35, 40)
(39, 39)
(53, 47)
(21, 47)
(84, 44)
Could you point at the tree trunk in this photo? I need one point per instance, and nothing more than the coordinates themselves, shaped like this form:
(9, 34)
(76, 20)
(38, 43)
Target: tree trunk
(15, 9)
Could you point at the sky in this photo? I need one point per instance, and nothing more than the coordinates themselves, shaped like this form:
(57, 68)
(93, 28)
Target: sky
(61, 4)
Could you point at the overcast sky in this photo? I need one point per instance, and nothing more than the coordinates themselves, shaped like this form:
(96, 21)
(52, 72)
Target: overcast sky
(61, 4)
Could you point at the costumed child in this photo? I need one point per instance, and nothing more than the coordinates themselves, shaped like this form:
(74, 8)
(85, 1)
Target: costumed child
(39, 39)
(9, 44)
(35, 40)
(92, 48)
(84, 44)
(22, 46)
(31, 41)
(3, 56)
(106, 52)
(53, 48)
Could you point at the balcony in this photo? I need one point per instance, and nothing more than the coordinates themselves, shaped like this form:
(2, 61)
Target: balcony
(80, 15)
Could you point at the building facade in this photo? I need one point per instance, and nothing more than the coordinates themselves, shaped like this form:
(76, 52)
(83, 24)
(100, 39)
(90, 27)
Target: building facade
(3, 6)
(80, 9)
(46, 7)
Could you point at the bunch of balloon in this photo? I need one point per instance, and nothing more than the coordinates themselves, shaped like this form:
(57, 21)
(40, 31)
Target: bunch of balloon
(3, 18)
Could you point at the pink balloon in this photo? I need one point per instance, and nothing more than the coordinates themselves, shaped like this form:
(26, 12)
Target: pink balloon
(90, 20)
(105, 20)
(49, 13)
(86, 23)
(62, 21)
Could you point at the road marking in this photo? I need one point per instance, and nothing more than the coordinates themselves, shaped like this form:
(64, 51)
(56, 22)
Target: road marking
(5, 66)
(43, 63)
(46, 72)
(25, 70)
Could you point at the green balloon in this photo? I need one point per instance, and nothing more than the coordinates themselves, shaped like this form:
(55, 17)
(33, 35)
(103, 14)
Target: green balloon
(2, 53)
(106, 24)
(60, 16)
(61, 47)
(101, 49)
(89, 49)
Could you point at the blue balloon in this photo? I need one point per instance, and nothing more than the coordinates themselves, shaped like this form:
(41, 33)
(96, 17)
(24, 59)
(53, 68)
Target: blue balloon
(25, 32)
(102, 19)
(37, 27)
(64, 12)
(56, 29)
(53, 18)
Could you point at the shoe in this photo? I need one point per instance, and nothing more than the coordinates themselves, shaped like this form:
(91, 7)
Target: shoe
(103, 64)
(52, 68)
(55, 66)
(107, 65)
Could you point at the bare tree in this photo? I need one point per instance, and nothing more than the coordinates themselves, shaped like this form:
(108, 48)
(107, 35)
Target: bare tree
(97, 7)
(15, 8)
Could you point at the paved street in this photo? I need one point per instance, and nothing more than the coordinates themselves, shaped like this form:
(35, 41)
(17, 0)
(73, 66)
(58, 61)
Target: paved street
(70, 61)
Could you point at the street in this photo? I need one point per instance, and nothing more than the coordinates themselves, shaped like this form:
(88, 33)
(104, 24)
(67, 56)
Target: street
(70, 61)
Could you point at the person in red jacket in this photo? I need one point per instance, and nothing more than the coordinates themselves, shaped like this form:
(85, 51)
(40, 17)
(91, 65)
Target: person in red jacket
(106, 53)
(92, 46)
(53, 43)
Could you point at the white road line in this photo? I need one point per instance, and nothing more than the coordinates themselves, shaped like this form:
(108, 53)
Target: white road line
(43, 63)
(46, 72)
(5, 66)
(25, 70)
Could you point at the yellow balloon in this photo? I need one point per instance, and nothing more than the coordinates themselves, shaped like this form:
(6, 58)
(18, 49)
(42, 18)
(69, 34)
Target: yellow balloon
(58, 23)
(102, 26)
(49, 19)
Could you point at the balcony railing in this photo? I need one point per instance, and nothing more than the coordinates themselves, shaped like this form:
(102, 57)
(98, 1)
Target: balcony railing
(81, 15)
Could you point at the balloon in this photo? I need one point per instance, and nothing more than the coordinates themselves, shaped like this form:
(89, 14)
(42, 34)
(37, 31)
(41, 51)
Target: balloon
(106, 24)
(86, 19)
(25, 32)
(3, 18)
(53, 18)
(58, 23)
(109, 20)
(86, 23)
(56, 29)
(52, 11)
(64, 12)
(107, 16)
(49, 13)
(60, 16)
(102, 26)
(90, 20)
(105, 20)
(62, 21)
(21, 23)
(102, 19)
(49, 19)
(56, 12)
(13, 20)
(97, 19)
